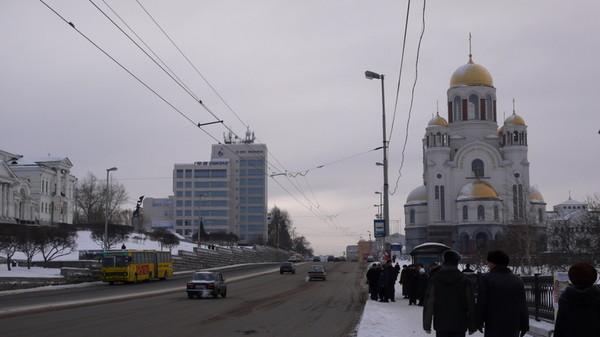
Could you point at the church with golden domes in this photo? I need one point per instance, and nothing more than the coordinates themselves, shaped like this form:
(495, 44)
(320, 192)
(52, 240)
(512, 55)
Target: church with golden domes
(475, 174)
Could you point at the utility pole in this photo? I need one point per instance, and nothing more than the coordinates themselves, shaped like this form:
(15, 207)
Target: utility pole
(107, 206)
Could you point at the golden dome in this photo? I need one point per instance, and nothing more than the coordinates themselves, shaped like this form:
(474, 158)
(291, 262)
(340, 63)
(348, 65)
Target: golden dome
(417, 196)
(535, 195)
(471, 74)
(438, 121)
(515, 119)
(477, 190)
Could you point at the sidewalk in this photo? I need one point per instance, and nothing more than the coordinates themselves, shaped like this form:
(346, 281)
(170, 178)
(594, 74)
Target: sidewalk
(398, 319)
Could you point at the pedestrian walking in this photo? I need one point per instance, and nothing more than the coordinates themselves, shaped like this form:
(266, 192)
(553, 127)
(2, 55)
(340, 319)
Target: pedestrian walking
(373, 280)
(386, 281)
(450, 301)
(403, 281)
(422, 280)
(412, 281)
(579, 305)
(502, 309)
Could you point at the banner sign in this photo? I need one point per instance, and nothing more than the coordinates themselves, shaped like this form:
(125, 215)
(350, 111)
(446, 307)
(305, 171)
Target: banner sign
(379, 228)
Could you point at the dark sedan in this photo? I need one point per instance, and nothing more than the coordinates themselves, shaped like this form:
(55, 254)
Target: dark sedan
(206, 283)
(287, 267)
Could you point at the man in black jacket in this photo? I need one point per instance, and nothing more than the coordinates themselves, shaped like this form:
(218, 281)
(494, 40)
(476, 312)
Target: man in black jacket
(579, 306)
(502, 309)
(373, 280)
(449, 302)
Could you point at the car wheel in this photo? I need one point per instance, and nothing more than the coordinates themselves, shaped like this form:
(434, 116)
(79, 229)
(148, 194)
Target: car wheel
(111, 282)
(190, 295)
(224, 293)
(280, 272)
(293, 272)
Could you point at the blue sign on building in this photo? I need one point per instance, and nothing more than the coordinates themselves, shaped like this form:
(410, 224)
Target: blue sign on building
(379, 228)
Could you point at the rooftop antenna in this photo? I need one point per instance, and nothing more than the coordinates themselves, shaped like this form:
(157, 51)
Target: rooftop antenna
(470, 53)
(437, 107)
(570, 195)
(513, 105)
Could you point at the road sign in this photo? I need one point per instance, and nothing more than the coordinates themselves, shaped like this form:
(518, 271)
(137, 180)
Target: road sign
(379, 228)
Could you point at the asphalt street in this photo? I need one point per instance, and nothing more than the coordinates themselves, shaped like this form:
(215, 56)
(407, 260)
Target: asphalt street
(267, 305)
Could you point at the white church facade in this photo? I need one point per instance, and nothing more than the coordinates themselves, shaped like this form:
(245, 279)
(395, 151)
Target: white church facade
(475, 174)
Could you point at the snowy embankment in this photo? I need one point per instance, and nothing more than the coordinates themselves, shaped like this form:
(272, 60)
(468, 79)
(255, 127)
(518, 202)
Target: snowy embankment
(85, 242)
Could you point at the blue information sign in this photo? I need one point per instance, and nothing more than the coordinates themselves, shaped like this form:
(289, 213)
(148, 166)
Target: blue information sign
(379, 228)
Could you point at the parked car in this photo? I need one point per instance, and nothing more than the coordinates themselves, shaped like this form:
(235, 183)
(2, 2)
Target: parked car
(330, 258)
(317, 271)
(207, 283)
(370, 258)
(316, 259)
(287, 267)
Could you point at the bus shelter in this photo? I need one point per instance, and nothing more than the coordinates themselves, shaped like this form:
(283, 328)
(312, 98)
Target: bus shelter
(428, 253)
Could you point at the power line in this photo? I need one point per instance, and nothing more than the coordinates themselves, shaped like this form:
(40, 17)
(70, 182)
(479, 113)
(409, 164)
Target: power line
(400, 72)
(412, 97)
(127, 70)
(190, 62)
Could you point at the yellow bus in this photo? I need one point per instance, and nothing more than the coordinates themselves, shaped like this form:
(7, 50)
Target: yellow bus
(129, 265)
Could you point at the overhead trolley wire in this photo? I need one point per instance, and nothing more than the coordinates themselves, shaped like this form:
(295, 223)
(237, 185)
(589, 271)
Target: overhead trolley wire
(185, 116)
(412, 97)
(400, 71)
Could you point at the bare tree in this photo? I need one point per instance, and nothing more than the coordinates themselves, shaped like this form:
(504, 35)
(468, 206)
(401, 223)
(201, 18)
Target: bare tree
(91, 199)
(28, 243)
(8, 247)
(116, 234)
(56, 242)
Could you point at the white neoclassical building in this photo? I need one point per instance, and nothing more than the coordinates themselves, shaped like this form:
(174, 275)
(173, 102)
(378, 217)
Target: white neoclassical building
(36, 191)
(475, 173)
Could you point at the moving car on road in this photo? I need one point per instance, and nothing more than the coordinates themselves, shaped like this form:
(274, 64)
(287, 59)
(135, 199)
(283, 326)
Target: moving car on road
(206, 283)
(317, 272)
(287, 267)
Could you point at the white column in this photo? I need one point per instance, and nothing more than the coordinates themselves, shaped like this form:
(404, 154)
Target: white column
(2, 200)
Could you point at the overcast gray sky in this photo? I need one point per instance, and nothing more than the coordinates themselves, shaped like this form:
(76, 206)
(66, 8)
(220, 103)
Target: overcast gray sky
(294, 70)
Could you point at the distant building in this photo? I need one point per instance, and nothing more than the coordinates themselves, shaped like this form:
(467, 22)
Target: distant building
(227, 193)
(475, 174)
(42, 190)
(249, 190)
(158, 213)
(16, 202)
(572, 227)
(352, 253)
(203, 192)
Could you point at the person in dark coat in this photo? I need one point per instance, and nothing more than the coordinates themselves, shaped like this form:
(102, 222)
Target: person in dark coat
(386, 279)
(502, 309)
(403, 281)
(373, 280)
(392, 287)
(450, 301)
(412, 282)
(579, 305)
(422, 280)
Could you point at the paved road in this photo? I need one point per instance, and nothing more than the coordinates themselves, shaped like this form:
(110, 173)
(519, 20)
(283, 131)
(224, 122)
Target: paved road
(101, 290)
(270, 305)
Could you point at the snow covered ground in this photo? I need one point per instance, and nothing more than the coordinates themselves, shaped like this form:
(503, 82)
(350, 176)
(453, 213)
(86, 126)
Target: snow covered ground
(135, 241)
(401, 320)
(22, 271)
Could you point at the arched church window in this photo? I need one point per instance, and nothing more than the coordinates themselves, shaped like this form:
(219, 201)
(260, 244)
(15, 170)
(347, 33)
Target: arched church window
(516, 137)
(465, 213)
(478, 168)
(480, 212)
(473, 107)
(540, 215)
(481, 240)
(438, 137)
(496, 213)
(456, 109)
(412, 216)
(489, 108)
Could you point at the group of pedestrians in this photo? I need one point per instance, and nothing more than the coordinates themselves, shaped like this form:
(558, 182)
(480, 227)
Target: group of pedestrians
(381, 279)
(499, 308)
(414, 279)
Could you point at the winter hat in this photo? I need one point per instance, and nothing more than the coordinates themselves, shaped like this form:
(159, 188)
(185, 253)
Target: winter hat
(498, 257)
(451, 257)
(582, 274)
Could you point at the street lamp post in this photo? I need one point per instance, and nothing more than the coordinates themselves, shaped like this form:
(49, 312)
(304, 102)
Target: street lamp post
(107, 205)
(386, 211)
